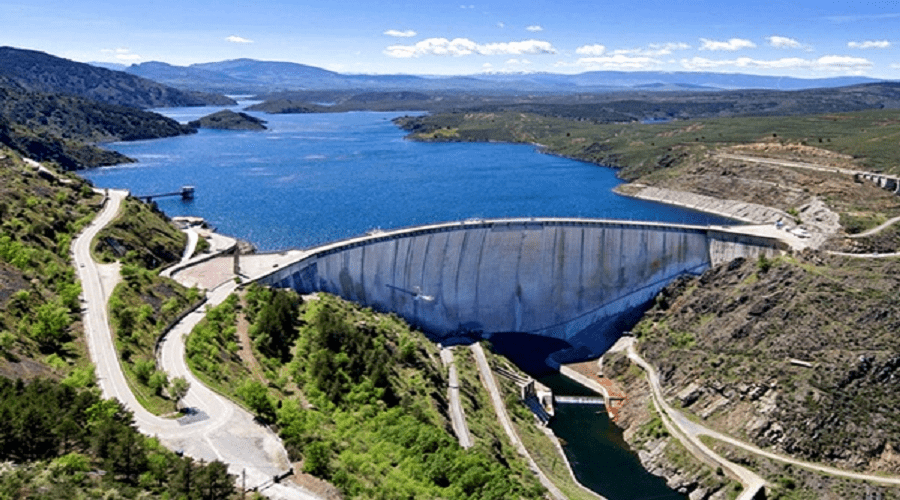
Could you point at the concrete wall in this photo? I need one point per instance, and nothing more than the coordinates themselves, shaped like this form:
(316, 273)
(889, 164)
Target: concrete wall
(549, 277)
(725, 246)
(884, 182)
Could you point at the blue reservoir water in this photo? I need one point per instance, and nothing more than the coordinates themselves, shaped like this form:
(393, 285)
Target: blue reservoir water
(315, 178)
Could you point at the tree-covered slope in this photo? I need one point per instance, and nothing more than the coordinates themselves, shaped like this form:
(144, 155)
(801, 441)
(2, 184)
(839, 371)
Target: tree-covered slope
(62, 129)
(357, 396)
(59, 442)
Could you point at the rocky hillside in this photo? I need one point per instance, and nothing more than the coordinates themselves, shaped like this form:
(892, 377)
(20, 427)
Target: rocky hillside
(796, 355)
(41, 72)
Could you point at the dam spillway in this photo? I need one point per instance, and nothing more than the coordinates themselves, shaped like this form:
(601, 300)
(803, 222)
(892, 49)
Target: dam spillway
(552, 277)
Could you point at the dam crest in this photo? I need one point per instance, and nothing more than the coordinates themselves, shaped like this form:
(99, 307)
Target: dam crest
(563, 278)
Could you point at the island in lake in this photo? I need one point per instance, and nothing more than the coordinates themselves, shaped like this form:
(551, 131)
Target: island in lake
(229, 120)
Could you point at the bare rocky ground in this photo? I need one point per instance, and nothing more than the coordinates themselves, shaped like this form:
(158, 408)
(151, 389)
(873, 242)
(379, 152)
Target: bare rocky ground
(659, 452)
(829, 204)
(797, 355)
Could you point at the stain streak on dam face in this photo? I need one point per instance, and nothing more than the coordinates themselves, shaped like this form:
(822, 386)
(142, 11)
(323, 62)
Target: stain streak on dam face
(551, 277)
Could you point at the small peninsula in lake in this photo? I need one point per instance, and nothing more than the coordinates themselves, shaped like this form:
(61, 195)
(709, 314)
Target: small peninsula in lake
(229, 120)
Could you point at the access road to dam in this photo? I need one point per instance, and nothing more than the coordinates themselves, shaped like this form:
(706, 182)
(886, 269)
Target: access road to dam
(220, 430)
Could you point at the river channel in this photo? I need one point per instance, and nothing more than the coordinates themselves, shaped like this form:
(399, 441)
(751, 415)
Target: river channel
(314, 178)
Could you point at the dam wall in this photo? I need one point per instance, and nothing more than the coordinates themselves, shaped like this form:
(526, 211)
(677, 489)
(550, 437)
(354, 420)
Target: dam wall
(551, 277)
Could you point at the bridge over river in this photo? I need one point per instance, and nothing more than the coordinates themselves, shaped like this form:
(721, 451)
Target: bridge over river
(561, 278)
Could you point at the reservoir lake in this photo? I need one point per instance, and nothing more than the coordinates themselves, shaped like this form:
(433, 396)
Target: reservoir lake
(315, 178)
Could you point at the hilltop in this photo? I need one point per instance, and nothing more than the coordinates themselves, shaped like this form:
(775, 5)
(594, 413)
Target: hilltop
(37, 71)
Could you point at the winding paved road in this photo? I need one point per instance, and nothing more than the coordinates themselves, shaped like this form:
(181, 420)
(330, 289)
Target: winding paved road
(876, 230)
(788, 163)
(689, 431)
(457, 415)
(219, 430)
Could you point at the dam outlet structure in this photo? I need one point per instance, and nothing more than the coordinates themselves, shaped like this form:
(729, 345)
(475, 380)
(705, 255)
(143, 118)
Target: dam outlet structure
(560, 278)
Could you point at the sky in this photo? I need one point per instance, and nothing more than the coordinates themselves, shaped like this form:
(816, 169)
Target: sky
(800, 38)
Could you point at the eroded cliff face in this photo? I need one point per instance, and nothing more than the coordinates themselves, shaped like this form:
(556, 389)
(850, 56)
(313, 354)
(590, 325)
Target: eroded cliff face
(797, 355)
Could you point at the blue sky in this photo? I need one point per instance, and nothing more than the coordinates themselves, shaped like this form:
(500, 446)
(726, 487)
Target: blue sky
(795, 38)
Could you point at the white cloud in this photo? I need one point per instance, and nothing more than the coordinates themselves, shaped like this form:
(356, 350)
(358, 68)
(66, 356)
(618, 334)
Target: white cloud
(400, 34)
(501, 25)
(696, 63)
(518, 62)
(238, 39)
(838, 63)
(466, 47)
(783, 42)
(534, 28)
(669, 46)
(122, 54)
(466, 6)
(869, 44)
(591, 50)
(434, 47)
(825, 63)
(617, 62)
(523, 47)
(654, 49)
(731, 45)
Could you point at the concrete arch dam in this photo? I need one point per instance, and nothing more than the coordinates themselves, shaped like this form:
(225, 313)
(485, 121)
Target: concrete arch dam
(553, 277)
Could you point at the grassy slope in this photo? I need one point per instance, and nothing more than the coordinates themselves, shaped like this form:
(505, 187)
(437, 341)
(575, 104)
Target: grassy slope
(140, 235)
(141, 308)
(40, 329)
(640, 149)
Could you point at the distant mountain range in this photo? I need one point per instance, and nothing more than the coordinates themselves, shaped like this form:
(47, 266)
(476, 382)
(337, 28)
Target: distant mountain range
(36, 71)
(253, 76)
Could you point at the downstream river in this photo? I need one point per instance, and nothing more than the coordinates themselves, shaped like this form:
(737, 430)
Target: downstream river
(314, 178)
